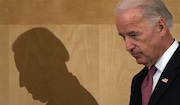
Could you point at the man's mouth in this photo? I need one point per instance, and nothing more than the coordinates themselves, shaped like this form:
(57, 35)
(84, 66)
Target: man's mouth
(135, 55)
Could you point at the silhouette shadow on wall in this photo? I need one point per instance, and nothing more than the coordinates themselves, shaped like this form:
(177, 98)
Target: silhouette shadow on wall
(40, 59)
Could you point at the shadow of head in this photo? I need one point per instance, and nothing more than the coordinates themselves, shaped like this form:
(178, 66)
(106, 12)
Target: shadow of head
(40, 59)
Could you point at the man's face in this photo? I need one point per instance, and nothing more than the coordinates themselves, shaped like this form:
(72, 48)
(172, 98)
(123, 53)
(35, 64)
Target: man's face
(142, 41)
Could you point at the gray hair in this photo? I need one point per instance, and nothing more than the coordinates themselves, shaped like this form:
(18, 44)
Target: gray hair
(153, 10)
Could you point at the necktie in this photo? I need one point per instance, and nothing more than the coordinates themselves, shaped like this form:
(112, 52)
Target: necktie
(146, 87)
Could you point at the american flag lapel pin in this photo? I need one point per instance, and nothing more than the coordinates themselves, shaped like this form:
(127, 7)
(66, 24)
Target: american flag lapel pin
(165, 80)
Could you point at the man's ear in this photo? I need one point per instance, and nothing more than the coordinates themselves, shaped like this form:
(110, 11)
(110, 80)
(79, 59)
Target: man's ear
(162, 27)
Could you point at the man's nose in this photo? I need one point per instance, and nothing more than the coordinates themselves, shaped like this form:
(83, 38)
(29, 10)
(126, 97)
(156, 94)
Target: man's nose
(129, 44)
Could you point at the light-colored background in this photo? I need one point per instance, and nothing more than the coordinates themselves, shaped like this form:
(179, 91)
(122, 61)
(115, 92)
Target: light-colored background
(87, 29)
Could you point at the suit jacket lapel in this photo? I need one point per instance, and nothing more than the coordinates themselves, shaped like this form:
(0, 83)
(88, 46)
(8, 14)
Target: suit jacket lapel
(136, 87)
(164, 82)
(166, 78)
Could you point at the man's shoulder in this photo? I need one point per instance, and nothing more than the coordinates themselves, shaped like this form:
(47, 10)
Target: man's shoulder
(141, 74)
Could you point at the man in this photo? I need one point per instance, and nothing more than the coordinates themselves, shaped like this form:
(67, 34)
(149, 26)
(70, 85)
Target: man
(144, 25)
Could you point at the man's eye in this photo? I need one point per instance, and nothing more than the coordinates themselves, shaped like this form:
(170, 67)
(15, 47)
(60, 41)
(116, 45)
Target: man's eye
(133, 35)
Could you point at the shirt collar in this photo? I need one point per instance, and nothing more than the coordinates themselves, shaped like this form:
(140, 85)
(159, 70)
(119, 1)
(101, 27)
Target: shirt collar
(162, 62)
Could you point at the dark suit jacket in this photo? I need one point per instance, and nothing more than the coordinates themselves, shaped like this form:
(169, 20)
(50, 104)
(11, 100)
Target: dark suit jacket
(164, 93)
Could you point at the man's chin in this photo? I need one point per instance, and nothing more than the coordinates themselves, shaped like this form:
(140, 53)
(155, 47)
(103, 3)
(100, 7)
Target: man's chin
(143, 63)
(140, 61)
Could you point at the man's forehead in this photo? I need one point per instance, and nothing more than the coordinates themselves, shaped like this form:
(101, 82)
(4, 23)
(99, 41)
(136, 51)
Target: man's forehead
(128, 31)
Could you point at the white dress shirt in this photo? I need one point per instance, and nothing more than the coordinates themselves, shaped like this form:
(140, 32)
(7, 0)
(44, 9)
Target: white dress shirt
(162, 62)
